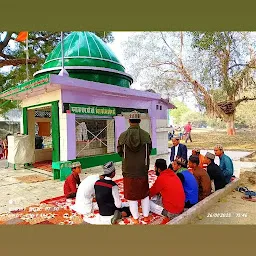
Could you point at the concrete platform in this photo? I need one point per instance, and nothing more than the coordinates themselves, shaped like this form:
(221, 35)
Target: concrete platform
(201, 207)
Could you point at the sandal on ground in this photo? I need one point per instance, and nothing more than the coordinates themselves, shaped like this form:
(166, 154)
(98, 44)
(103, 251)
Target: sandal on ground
(250, 194)
(117, 216)
(249, 199)
(242, 189)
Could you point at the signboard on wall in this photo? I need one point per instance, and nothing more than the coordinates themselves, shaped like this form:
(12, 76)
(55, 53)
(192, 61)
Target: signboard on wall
(29, 85)
(91, 110)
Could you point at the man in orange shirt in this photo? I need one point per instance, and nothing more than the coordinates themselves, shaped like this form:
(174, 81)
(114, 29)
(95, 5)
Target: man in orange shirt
(196, 152)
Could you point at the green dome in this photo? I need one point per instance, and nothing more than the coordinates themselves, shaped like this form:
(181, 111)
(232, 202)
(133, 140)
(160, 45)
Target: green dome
(86, 57)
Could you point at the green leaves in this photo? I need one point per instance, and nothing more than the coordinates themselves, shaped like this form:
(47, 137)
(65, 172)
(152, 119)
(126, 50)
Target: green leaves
(41, 43)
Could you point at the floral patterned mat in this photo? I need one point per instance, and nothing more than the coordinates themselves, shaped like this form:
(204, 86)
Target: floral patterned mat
(57, 211)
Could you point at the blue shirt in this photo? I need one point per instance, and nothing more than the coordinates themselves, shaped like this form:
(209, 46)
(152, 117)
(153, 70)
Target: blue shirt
(226, 166)
(190, 186)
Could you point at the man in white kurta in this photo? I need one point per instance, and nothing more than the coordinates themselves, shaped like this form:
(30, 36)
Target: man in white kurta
(84, 196)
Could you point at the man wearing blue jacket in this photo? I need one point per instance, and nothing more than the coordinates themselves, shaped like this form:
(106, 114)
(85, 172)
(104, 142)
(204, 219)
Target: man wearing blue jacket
(178, 149)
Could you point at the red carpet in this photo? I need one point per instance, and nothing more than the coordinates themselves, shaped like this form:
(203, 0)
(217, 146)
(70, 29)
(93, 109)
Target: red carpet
(44, 165)
(57, 211)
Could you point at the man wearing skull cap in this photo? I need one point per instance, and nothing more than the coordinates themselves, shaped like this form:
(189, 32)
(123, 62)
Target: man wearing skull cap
(134, 146)
(107, 196)
(214, 172)
(226, 164)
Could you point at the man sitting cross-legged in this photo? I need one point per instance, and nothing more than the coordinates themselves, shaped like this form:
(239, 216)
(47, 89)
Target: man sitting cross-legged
(226, 164)
(72, 181)
(214, 171)
(85, 194)
(196, 152)
(188, 181)
(108, 199)
(202, 177)
(168, 197)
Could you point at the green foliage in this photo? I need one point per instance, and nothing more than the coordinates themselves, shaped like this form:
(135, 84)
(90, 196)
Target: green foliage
(41, 43)
(215, 41)
(183, 114)
(245, 115)
(179, 112)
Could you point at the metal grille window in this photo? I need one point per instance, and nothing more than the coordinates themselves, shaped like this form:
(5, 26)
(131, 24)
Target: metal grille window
(94, 136)
(42, 113)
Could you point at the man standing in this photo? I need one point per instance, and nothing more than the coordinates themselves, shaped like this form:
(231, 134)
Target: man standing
(187, 129)
(202, 177)
(214, 172)
(226, 164)
(167, 192)
(134, 146)
(178, 149)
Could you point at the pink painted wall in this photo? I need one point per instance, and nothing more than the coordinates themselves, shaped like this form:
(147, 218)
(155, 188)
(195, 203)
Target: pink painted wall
(104, 100)
(71, 136)
(120, 126)
(109, 95)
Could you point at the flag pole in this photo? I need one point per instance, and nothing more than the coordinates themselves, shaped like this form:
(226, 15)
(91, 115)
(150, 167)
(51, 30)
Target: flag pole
(62, 50)
(27, 56)
(62, 72)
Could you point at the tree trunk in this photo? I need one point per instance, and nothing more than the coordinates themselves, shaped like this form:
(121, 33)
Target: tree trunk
(231, 124)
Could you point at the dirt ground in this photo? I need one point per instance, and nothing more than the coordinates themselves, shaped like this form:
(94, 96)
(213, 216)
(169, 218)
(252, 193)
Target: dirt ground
(232, 209)
(24, 187)
(244, 140)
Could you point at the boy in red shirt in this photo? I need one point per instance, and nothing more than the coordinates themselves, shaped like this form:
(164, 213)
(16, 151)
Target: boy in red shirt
(72, 180)
(168, 192)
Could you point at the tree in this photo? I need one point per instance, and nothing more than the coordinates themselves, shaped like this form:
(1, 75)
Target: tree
(217, 67)
(245, 114)
(41, 43)
(180, 110)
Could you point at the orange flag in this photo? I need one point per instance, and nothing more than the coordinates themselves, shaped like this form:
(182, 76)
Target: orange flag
(22, 36)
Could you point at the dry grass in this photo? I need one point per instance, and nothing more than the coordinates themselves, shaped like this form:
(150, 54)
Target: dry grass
(249, 158)
(248, 179)
(207, 139)
(32, 178)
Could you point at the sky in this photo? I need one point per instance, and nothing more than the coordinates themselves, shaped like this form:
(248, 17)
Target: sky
(116, 47)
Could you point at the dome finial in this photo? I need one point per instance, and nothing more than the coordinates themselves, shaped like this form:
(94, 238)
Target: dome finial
(63, 72)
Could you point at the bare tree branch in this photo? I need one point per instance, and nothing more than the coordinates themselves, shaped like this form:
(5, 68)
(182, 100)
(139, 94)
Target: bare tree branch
(237, 102)
(168, 45)
(17, 62)
(236, 65)
(4, 43)
(5, 56)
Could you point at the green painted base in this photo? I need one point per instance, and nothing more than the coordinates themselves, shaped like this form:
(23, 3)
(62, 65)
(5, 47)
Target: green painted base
(93, 161)
(153, 152)
(99, 77)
